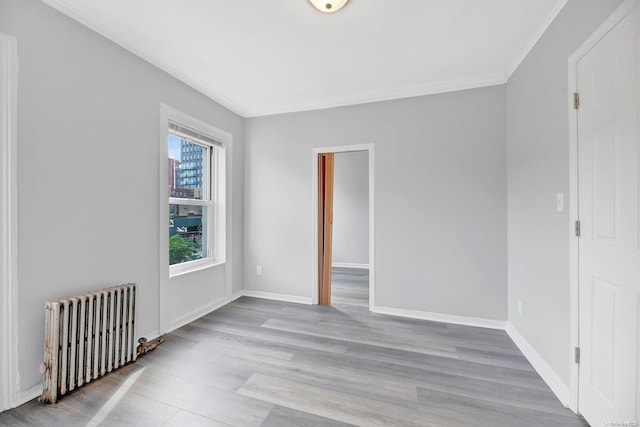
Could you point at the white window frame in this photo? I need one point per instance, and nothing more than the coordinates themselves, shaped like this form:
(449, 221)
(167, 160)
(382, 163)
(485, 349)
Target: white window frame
(216, 223)
(209, 201)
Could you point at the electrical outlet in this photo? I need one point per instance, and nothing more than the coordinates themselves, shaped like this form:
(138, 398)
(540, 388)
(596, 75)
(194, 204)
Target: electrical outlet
(520, 307)
(258, 270)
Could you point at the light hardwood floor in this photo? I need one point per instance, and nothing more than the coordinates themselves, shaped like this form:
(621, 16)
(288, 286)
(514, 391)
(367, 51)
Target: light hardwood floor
(257, 362)
(349, 286)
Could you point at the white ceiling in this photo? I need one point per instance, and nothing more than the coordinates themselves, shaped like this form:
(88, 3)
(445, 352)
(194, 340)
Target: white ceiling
(259, 57)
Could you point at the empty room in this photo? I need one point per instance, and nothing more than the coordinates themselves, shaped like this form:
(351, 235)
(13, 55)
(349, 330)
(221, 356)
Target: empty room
(319, 213)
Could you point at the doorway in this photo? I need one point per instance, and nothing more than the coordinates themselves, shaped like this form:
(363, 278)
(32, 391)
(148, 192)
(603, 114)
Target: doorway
(606, 248)
(344, 270)
(350, 247)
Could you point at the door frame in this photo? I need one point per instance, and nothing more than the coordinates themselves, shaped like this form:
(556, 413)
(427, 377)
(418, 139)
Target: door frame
(9, 382)
(369, 148)
(574, 257)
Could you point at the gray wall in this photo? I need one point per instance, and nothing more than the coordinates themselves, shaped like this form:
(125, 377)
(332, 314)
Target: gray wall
(440, 199)
(538, 168)
(88, 149)
(351, 208)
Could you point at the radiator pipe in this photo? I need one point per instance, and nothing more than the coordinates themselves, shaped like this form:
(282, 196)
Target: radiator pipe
(146, 346)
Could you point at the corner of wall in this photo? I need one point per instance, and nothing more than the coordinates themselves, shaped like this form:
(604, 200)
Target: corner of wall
(559, 388)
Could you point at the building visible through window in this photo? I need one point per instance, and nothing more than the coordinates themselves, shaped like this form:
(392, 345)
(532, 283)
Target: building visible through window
(192, 194)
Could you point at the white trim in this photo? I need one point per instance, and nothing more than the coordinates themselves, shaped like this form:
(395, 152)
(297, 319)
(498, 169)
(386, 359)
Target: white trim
(225, 196)
(275, 296)
(152, 335)
(370, 149)
(181, 269)
(23, 397)
(350, 265)
(237, 295)
(618, 15)
(194, 266)
(197, 313)
(543, 29)
(431, 88)
(192, 202)
(215, 191)
(574, 263)
(574, 268)
(163, 210)
(223, 248)
(10, 379)
(103, 30)
(440, 317)
(552, 379)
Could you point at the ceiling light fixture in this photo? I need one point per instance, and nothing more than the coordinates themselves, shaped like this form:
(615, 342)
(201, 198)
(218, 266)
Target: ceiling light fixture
(328, 6)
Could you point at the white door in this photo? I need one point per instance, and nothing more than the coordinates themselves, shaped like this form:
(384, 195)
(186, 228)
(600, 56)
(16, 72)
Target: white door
(608, 161)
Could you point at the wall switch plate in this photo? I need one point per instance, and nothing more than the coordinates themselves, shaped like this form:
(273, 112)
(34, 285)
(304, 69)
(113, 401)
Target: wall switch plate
(560, 202)
(520, 307)
(258, 270)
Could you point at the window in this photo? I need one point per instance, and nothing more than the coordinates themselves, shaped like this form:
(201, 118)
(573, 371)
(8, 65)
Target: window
(195, 194)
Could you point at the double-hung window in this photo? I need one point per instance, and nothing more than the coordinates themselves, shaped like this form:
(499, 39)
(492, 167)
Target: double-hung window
(196, 198)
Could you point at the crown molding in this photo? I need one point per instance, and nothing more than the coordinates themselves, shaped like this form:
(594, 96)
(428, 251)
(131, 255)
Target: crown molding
(101, 29)
(431, 88)
(543, 29)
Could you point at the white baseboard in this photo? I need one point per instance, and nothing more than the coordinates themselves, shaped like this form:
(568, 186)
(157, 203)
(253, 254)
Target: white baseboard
(27, 395)
(278, 297)
(237, 295)
(151, 335)
(540, 365)
(196, 314)
(439, 317)
(350, 265)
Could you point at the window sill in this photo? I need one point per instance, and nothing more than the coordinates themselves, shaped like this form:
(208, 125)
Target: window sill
(195, 268)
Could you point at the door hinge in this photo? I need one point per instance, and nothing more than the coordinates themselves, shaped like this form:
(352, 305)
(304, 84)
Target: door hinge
(578, 228)
(576, 100)
(577, 355)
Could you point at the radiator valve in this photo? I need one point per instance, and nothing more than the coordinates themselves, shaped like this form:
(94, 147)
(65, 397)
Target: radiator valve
(145, 345)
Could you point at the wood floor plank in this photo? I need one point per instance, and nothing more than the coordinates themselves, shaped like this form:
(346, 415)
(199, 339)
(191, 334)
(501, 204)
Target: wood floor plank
(481, 412)
(209, 402)
(495, 358)
(36, 414)
(417, 365)
(329, 404)
(401, 392)
(300, 340)
(189, 419)
(207, 371)
(233, 344)
(372, 338)
(429, 337)
(285, 417)
(539, 400)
